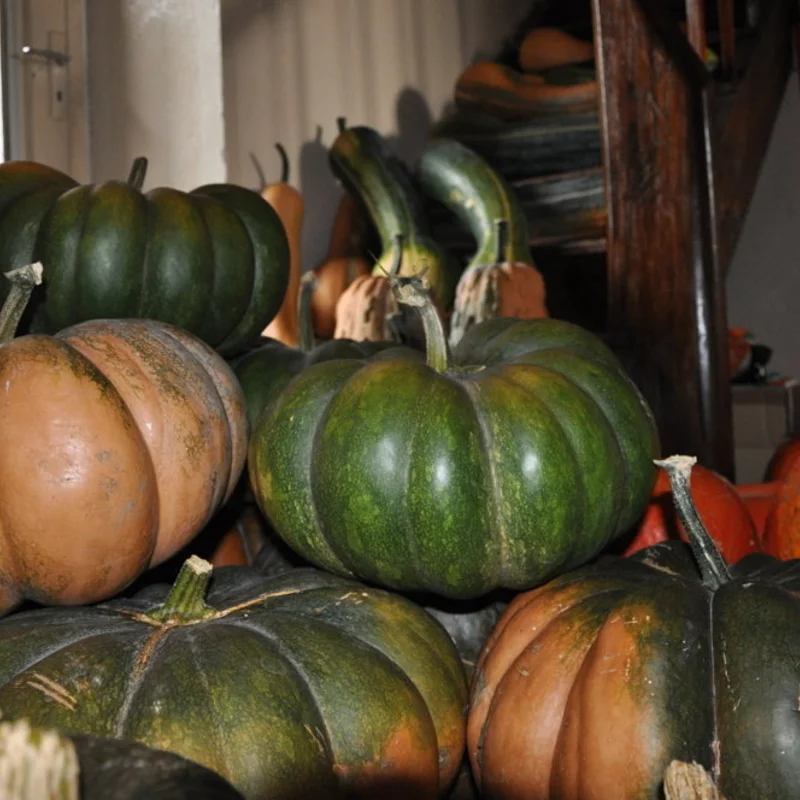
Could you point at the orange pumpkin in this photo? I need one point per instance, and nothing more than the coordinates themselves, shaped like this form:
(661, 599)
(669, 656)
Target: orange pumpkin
(723, 511)
(758, 499)
(783, 459)
(782, 527)
(118, 441)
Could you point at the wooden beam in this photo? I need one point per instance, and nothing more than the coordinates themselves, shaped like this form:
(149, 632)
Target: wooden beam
(660, 245)
(726, 12)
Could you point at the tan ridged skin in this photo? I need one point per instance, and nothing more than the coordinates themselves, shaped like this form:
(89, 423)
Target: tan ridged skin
(363, 310)
(118, 440)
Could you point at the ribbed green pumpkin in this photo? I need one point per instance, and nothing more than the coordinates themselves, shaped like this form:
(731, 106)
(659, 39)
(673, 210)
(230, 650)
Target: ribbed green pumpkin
(297, 686)
(214, 261)
(520, 457)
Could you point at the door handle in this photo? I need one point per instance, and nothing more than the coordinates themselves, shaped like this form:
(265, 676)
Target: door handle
(61, 59)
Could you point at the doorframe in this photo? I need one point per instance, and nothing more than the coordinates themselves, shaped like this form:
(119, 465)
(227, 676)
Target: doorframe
(13, 101)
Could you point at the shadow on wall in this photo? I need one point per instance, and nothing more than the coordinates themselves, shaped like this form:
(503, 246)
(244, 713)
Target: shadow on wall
(321, 189)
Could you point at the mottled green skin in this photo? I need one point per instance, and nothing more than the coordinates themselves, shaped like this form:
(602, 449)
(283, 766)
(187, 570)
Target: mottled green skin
(365, 164)
(301, 682)
(709, 666)
(214, 262)
(464, 183)
(266, 370)
(524, 460)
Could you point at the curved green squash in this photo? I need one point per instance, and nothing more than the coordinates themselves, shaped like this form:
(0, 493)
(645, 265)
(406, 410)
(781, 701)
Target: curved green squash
(214, 262)
(523, 455)
(665, 655)
(265, 370)
(43, 764)
(465, 184)
(299, 685)
(365, 164)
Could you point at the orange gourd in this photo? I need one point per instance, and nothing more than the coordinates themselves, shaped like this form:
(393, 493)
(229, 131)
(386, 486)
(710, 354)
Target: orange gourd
(546, 48)
(500, 91)
(119, 439)
(782, 527)
(289, 206)
(342, 265)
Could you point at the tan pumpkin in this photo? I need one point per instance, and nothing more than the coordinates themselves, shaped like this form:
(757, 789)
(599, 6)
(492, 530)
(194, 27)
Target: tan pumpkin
(118, 441)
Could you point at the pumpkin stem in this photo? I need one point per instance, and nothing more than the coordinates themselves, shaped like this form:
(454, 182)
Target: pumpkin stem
(138, 173)
(501, 256)
(683, 781)
(23, 281)
(413, 292)
(186, 601)
(713, 566)
(308, 284)
(284, 162)
(262, 178)
(341, 124)
(37, 764)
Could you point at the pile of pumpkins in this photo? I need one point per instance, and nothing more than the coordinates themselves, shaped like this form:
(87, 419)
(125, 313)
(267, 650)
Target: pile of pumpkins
(428, 550)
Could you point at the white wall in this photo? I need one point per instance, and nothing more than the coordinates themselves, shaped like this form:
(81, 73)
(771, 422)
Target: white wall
(390, 64)
(155, 87)
(764, 279)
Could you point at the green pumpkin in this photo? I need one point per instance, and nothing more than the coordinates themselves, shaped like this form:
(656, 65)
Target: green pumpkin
(266, 369)
(42, 764)
(522, 455)
(300, 685)
(214, 261)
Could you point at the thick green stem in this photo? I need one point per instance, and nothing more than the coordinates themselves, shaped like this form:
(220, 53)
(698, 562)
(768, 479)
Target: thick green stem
(138, 173)
(308, 283)
(23, 281)
(186, 601)
(412, 292)
(713, 566)
(284, 162)
(37, 764)
(501, 226)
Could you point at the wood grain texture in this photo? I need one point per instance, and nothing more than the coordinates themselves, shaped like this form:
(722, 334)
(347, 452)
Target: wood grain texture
(663, 295)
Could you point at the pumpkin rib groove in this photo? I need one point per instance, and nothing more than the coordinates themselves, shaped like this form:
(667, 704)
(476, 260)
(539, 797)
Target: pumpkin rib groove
(85, 206)
(408, 525)
(274, 643)
(144, 659)
(714, 695)
(603, 419)
(553, 416)
(60, 645)
(497, 530)
(200, 672)
(313, 482)
(146, 259)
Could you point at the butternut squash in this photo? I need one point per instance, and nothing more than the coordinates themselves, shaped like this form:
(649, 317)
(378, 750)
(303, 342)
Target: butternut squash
(500, 91)
(288, 204)
(342, 265)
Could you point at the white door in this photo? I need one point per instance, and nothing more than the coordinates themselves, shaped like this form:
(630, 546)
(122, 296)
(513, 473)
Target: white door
(44, 84)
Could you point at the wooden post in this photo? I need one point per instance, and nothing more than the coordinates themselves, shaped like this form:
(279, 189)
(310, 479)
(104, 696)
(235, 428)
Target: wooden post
(664, 290)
